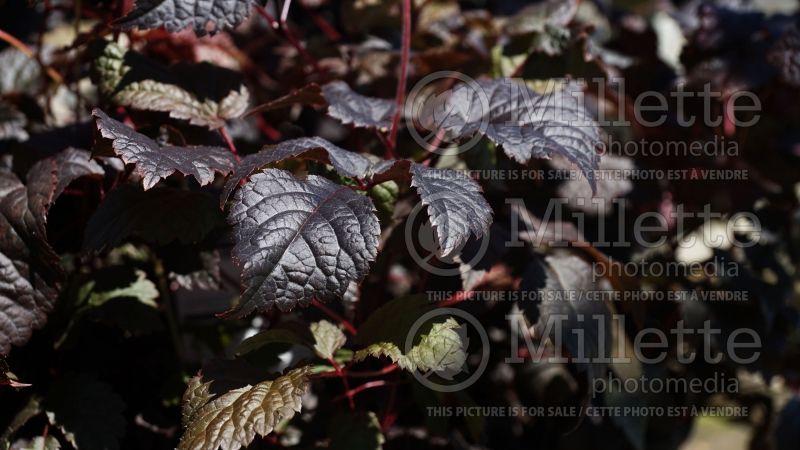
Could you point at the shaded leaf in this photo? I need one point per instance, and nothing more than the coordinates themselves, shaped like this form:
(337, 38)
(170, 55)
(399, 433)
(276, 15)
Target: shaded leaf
(204, 16)
(613, 181)
(569, 298)
(524, 123)
(297, 240)
(203, 94)
(154, 162)
(12, 123)
(159, 216)
(192, 269)
(350, 107)
(455, 205)
(327, 338)
(345, 162)
(281, 335)
(785, 56)
(359, 431)
(20, 74)
(29, 269)
(232, 420)
(48, 178)
(88, 412)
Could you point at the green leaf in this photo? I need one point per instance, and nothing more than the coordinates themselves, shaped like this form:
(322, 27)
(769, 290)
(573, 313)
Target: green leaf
(360, 431)
(441, 350)
(384, 196)
(328, 338)
(203, 94)
(233, 419)
(141, 289)
(88, 412)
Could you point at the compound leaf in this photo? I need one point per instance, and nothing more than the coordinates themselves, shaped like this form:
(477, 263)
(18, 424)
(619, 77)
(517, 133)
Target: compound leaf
(297, 240)
(455, 205)
(349, 107)
(526, 124)
(232, 420)
(154, 162)
(204, 16)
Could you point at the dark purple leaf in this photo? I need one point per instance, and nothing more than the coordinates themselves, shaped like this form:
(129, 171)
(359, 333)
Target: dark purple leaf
(526, 124)
(298, 240)
(455, 204)
(360, 111)
(154, 162)
(346, 163)
(205, 16)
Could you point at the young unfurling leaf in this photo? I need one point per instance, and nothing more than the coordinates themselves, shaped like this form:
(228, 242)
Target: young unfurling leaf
(327, 338)
(297, 240)
(440, 350)
(154, 162)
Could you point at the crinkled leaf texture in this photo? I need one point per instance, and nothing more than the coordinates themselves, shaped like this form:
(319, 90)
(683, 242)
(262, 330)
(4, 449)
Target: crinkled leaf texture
(297, 240)
(29, 269)
(524, 123)
(159, 216)
(350, 107)
(203, 94)
(204, 16)
(456, 206)
(440, 350)
(154, 162)
(232, 420)
(327, 338)
(346, 163)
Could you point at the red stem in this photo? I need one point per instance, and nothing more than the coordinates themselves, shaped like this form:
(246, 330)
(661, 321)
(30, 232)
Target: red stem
(335, 316)
(364, 374)
(227, 138)
(341, 375)
(361, 388)
(401, 83)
